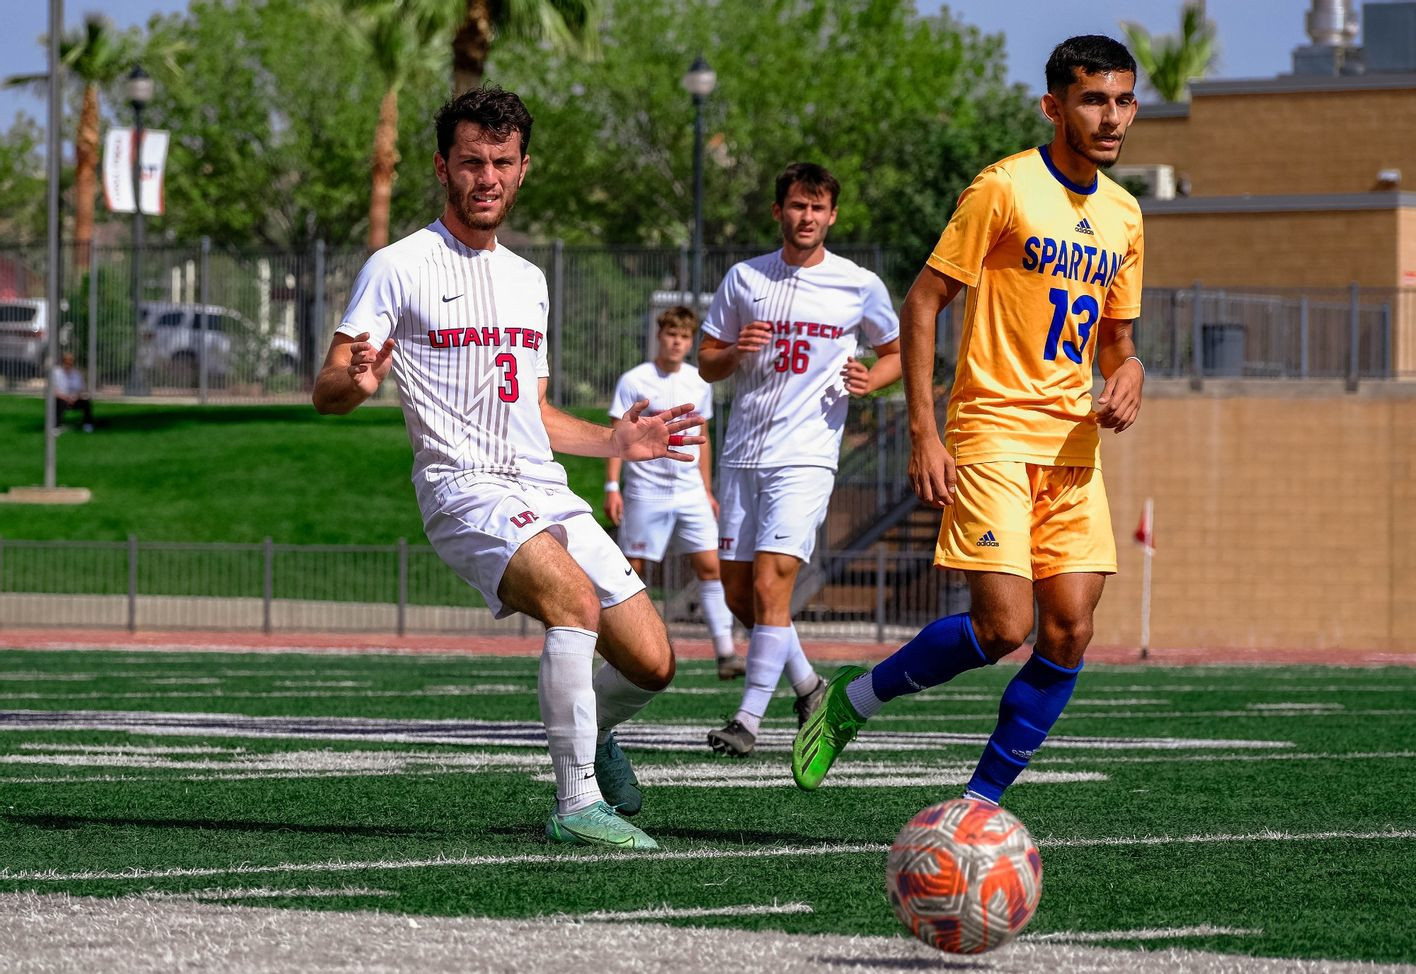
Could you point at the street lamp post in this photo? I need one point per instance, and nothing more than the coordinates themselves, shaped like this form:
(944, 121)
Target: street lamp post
(140, 90)
(698, 82)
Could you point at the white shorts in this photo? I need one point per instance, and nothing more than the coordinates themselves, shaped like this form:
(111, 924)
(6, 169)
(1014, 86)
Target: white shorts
(776, 509)
(651, 524)
(478, 531)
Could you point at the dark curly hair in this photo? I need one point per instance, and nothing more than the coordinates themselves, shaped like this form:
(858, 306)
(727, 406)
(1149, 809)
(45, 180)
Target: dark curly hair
(1092, 53)
(495, 109)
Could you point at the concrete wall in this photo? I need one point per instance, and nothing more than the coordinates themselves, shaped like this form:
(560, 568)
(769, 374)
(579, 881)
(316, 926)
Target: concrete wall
(1285, 516)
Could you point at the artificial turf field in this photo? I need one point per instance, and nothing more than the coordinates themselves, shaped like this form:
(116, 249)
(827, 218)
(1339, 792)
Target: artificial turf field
(1248, 811)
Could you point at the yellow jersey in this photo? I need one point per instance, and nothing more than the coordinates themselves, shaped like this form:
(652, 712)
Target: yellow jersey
(1044, 260)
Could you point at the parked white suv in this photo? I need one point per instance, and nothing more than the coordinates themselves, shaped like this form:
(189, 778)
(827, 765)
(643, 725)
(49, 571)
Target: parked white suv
(24, 335)
(176, 336)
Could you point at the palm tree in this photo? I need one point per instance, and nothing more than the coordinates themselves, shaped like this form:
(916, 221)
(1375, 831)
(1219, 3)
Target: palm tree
(567, 25)
(96, 55)
(399, 37)
(1171, 63)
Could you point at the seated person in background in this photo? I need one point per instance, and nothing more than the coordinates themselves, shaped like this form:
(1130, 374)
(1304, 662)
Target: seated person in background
(70, 393)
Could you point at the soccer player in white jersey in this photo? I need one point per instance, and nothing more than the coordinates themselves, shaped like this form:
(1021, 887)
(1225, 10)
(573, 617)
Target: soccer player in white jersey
(786, 325)
(665, 501)
(460, 323)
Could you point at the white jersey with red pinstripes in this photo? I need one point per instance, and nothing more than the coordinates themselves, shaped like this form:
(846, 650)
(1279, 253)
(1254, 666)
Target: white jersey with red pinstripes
(469, 328)
(789, 400)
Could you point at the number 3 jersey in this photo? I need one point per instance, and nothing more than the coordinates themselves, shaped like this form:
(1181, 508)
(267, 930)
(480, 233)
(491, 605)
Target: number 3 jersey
(469, 328)
(789, 400)
(1044, 260)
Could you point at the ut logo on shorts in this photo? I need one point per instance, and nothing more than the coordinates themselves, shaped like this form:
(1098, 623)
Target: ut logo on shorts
(523, 519)
(725, 544)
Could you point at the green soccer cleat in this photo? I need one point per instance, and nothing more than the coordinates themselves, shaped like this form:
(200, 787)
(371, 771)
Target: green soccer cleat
(831, 727)
(596, 825)
(616, 779)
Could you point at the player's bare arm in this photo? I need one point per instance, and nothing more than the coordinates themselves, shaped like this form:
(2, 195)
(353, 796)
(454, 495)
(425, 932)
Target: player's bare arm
(352, 371)
(705, 469)
(717, 359)
(931, 466)
(614, 501)
(862, 380)
(1120, 401)
(636, 436)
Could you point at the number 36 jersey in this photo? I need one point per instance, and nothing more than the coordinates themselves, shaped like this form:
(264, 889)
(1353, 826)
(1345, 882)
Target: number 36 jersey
(789, 400)
(469, 328)
(1044, 260)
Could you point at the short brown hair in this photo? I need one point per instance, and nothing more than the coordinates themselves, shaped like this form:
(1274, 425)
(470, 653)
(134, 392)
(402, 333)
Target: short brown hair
(813, 179)
(679, 316)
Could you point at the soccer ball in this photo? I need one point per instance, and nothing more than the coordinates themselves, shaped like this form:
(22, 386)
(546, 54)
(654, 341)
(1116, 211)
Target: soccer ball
(964, 876)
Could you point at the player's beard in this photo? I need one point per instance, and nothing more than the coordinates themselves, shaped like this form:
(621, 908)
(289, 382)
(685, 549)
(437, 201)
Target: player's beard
(1075, 143)
(462, 205)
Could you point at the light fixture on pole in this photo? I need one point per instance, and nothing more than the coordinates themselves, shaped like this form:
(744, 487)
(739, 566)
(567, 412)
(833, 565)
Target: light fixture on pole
(139, 90)
(699, 82)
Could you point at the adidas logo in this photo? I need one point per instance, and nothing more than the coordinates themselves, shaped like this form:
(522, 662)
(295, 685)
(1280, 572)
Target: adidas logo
(1085, 227)
(988, 540)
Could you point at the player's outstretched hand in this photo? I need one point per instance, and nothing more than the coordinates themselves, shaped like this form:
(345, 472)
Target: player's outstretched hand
(369, 366)
(1120, 401)
(753, 338)
(932, 472)
(857, 377)
(640, 437)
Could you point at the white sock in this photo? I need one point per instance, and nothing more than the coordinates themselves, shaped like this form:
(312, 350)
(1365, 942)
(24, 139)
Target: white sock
(799, 671)
(716, 614)
(861, 693)
(766, 656)
(568, 711)
(616, 699)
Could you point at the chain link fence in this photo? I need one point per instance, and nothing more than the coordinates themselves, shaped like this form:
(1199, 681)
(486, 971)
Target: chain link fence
(402, 589)
(242, 326)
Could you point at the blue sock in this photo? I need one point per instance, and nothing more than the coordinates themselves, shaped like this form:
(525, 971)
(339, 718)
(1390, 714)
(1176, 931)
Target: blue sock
(1030, 706)
(942, 650)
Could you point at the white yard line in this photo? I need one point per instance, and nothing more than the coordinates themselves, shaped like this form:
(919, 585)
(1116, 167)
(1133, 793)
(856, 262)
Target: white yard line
(762, 852)
(684, 913)
(260, 893)
(660, 737)
(1145, 933)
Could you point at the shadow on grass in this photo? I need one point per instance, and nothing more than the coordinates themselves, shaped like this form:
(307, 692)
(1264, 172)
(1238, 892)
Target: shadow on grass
(64, 822)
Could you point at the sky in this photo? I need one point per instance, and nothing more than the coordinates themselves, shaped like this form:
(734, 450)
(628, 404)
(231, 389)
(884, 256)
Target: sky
(1256, 39)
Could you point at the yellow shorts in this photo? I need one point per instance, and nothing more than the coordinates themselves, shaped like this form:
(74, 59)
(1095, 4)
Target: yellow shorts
(1027, 519)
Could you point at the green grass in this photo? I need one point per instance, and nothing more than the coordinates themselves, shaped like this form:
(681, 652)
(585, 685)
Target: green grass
(1342, 766)
(227, 474)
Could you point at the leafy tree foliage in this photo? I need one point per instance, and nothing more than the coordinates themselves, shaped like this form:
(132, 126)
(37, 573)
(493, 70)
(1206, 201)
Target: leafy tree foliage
(1170, 63)
(272, 116)
(22, 183)
(903, 109)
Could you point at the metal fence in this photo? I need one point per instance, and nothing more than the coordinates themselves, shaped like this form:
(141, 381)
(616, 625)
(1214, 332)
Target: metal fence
(238, 326)
(399, 589)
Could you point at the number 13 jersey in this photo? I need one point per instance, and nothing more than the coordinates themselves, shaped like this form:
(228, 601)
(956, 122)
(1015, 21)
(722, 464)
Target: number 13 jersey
(1044, 260)
(789, 400)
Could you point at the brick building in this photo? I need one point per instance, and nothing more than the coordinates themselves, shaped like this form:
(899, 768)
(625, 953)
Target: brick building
(1294, 181)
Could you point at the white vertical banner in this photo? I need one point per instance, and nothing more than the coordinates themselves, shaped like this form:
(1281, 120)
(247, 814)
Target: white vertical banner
(118, 170)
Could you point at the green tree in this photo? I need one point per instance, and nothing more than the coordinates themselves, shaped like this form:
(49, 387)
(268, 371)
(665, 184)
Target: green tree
(400, 38)
(272, 114)
(22, 181)
(903, 109)
(1171, 62)
(567, 26)
(95, 55)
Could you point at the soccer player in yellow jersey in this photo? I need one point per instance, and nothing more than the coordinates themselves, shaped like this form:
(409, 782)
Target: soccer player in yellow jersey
(1050, 250)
